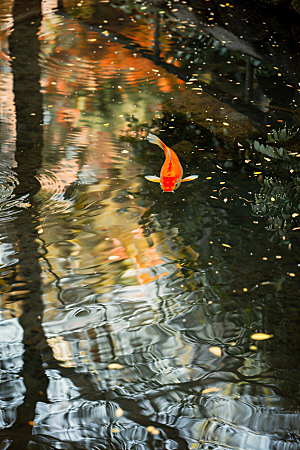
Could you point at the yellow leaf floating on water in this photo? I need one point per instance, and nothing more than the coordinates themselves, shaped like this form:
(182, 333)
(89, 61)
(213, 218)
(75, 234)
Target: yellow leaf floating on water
(155, 431)
(119, 412)
(226, 245)
(152, 430)
(217, 351)
(211, 389)
(261, 336)
(115, 366)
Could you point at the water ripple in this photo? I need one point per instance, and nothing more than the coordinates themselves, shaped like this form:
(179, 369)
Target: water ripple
(10, 206)
(149, 306)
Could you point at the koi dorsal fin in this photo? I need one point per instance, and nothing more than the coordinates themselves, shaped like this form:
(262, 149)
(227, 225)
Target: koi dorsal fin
(155, 140)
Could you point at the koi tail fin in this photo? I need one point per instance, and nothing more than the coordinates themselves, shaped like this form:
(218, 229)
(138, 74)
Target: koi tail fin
(155, 140)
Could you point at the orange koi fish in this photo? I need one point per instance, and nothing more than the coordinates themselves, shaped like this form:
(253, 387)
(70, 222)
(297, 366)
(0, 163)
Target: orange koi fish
(171, 172)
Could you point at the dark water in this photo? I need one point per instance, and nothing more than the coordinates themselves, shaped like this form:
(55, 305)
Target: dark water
(132, 318)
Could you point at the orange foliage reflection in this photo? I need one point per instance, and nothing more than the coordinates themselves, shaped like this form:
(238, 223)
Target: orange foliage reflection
(137, 249)
(68, 116)
(86, 59)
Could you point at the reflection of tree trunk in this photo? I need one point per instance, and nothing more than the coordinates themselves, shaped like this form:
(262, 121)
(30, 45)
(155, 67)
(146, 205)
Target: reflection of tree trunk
(24, 48)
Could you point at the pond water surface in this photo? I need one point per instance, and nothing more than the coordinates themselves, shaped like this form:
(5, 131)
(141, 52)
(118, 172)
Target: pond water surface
(132, 318)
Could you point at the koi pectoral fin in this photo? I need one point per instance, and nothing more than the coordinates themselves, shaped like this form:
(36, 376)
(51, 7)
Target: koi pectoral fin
(190, 178)
(153, 178)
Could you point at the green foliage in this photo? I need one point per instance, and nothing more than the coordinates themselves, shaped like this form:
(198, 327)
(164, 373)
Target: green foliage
(278, 199)
(274, 152)
(271, 151)
(276, 196)
(287, 158)
(281, 135)
(279, 202)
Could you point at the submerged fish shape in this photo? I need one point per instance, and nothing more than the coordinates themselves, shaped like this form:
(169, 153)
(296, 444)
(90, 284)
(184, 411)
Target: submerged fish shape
(171, 172)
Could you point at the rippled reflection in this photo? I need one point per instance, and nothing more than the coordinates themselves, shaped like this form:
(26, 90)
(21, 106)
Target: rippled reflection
(130, 318)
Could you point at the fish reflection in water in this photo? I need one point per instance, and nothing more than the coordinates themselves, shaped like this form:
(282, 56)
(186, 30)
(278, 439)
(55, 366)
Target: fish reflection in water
(171, 172)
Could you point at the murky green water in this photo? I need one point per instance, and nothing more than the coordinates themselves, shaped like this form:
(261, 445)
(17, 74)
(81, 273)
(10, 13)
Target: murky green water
(132, 318)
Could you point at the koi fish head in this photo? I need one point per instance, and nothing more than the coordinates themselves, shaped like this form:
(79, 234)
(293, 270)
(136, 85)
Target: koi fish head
(169, 184)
